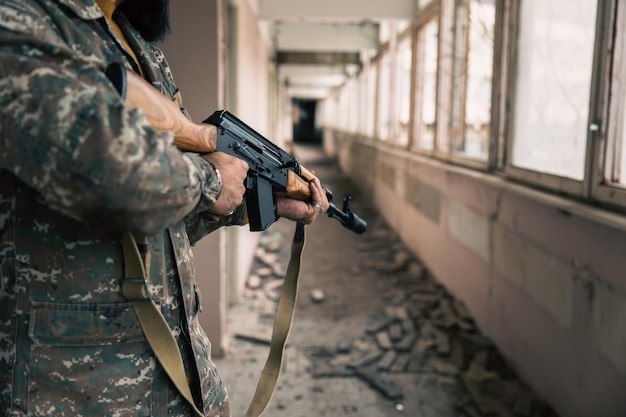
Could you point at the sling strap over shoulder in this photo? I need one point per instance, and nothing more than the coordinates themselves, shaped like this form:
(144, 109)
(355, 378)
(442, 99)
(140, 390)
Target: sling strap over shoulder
(164, 346)
(153, 324)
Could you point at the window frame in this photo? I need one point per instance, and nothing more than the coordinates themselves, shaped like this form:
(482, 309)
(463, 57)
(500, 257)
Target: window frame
(384, 63)
(605, 115)
(458, 102)
(447, 100)
(363, 80)
(500, 79)
(351, 89)
(430, 13)
(552, 182)
(610, 112)
(405, 36)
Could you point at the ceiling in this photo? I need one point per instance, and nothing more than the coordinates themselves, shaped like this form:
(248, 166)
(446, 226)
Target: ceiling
(319, 42)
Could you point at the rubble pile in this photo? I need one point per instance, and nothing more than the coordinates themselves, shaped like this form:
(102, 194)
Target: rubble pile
(422, 331)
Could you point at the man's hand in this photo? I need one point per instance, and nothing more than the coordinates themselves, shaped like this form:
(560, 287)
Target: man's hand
(233, 172)
(303, 212)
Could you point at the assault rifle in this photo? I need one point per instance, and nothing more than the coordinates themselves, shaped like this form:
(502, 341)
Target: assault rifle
(272, 171)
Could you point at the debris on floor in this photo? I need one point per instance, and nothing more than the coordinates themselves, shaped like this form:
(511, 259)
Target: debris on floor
(423, 331)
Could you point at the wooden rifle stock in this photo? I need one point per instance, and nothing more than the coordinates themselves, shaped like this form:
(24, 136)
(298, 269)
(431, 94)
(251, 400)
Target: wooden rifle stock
(164, 115)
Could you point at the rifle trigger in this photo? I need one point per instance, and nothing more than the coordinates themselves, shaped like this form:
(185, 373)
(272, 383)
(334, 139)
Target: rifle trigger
(249, 182)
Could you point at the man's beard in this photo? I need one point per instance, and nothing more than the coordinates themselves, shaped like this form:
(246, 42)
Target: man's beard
(151, 18)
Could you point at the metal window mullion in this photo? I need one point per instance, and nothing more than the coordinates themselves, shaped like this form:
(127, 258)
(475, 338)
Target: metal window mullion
(616, 138)
(611, 91)
(499, 82)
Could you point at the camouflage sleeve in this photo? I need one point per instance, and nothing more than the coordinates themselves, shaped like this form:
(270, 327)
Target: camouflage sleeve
(198, 226)
(65, 132)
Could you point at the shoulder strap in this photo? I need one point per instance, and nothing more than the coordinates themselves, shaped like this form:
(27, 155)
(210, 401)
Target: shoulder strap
(155, 328)
(282, 325)
(165, 347)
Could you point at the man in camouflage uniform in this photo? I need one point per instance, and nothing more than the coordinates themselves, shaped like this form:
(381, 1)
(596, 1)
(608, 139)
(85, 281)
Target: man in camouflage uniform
(77, 169)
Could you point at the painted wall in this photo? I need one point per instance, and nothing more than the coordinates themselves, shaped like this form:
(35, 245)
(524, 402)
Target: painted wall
(193, 51)
(198, 53)
(250, 97)
(543, 276)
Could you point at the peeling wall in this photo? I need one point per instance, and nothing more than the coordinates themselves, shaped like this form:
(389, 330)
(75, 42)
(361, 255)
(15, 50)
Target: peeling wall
(543, 276)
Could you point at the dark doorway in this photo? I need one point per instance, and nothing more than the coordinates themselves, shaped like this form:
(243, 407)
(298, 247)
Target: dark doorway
(305, 130)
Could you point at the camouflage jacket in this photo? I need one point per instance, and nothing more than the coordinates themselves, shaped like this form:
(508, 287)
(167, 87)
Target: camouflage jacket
(76, 169)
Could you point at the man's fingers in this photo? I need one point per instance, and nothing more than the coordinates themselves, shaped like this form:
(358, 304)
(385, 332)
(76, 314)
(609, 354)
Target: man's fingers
(233, 172)
(318, 196)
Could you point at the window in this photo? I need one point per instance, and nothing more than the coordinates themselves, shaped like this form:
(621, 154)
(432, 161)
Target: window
(426, 85)
(557, 117)
(466, 42)
(344, 108)
(552, 84)
(472, 77)
(372, 77)
(403, 90)
(384, 96)
(352, 96)
(362, 103)
(610, 183)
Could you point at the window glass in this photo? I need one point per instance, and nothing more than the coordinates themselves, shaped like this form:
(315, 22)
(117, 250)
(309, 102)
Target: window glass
(472, 74)
(552, 86)
(328, 109)
(362, 102)
(372, 75)
(426, 91)
(352, 96)
(333, 109)
(403, 85)
(384, 31)
(340, 107)
(384, 97)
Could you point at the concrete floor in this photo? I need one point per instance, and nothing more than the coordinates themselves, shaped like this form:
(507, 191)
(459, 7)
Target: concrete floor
(365, 280)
